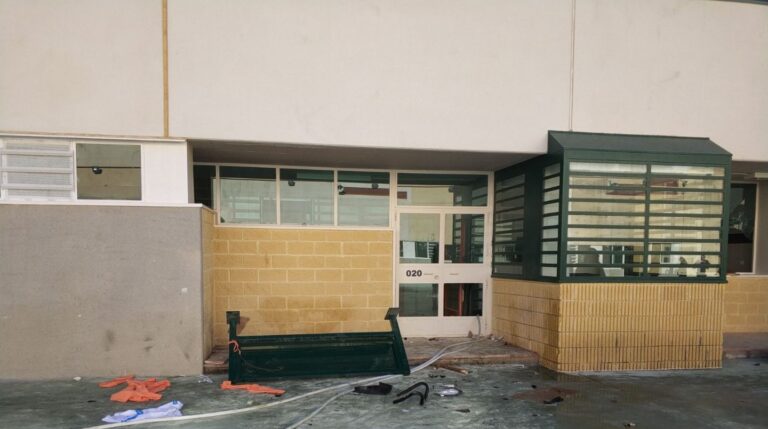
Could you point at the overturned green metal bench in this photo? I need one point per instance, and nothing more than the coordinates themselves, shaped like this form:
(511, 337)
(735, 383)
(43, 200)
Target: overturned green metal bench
(256, 358)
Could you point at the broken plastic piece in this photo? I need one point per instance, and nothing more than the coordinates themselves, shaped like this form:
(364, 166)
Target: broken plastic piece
(554, 400)
(376, 389)
(448, 390)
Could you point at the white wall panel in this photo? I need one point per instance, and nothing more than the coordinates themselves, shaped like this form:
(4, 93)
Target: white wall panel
(447, 74)
(81, 66)
(675, 67)
(165, 169)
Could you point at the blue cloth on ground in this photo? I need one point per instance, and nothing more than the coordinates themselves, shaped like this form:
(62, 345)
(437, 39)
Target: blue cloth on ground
(171, 409)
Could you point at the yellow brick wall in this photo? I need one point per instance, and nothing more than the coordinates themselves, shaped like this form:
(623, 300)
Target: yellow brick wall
(526, 314)
(746, 304)
(612, 326)
(302, 280)
(630, 326)
(207, 232)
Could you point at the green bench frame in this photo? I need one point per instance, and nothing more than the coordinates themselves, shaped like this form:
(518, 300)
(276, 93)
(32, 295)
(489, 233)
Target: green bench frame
(256, 358)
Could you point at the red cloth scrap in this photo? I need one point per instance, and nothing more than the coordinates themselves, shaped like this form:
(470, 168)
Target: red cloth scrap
(137, 390)
(253, 388)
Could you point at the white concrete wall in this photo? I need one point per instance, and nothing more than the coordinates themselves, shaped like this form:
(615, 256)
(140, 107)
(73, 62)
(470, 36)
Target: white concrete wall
(427, 74)
(447, 74)
(675, 67)
(81, 66)
(165, 171)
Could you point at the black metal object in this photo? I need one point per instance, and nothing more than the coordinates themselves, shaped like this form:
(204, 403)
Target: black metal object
(410, 392)
(256, 358)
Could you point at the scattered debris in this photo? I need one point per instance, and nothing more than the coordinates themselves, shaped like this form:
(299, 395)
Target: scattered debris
(204, 379)
(629, 425)
(448, 390)
(253, 388)
(171, 409)
(533, 386)
(422, 397)
(554, 400)
(78, 378)
(137, 390)
(376, 389)
(757, 364)
(463, 410)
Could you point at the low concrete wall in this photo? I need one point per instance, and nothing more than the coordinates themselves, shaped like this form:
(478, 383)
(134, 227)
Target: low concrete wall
(746, 304)
(100, 291)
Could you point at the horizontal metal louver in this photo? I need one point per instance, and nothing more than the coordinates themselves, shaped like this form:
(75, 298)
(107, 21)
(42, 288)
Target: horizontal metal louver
(36, 170)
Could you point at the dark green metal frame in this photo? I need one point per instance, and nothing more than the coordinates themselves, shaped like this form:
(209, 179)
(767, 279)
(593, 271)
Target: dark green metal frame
(256, 358)
(712, 156)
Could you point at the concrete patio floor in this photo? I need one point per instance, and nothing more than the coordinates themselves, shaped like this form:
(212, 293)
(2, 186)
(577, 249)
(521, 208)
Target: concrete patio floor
(494, 396)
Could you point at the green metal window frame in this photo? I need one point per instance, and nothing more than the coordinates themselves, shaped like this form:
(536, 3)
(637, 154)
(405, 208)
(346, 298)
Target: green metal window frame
(568, 147)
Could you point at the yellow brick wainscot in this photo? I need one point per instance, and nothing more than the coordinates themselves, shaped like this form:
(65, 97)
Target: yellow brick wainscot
(301, 280)
(612, 326)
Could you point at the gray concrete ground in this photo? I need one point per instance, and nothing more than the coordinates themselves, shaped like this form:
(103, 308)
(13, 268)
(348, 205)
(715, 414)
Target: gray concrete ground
(493, 396)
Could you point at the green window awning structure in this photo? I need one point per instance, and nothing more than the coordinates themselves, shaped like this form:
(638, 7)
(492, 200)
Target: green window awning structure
(614, 208)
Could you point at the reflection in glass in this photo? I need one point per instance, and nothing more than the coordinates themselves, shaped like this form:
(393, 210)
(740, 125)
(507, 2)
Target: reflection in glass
(708, 222)
(693, 170)
(248, 195)
(607, 181)
(582, 206)
(464, 238)
(741, 227)
(609, 194)
(419, 234)
(418, 299)
(104, 172)
(606, 167)
(672, 195)
(708, 209)
(442, 189)
(603, 219)
(685, 182)
(306, 197)
(363, 198)
(463, 299)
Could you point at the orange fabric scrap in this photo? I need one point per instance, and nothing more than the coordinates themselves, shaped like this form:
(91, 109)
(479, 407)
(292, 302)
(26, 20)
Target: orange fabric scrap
(137, 390)
(253, 388)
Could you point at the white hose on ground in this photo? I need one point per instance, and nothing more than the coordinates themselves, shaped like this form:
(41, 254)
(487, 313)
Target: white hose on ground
(433, 359)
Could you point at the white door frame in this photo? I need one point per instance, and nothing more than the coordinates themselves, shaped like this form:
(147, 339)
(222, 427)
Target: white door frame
(447, 326)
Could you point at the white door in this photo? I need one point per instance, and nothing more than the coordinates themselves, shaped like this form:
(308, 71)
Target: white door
(443, 271)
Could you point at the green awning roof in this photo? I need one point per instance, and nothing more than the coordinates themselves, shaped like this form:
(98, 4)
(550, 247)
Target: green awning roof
(562, 141)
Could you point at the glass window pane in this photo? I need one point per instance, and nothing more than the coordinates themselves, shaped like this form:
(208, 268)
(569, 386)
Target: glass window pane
(604, 271)
(248, 195)
(549, 246)
(306, 197)
(609, 194)
(552, 182)
(509, 215)
(510, 193)
(599, 246)
(506, 226)
(463, 299)
(551, 220)
(552, 195)
(607, 207)
(605, 167)
(549, 233)
(693, 170)
(419, 234)
(607, 181)
(551, 169)
(363, 198)
(697, 209)
(689, 183)
(464, 238)
(579, 232)
(510, 181)
(711, 222)
(686, 196)
(418, 299)
(203, 177)
(108, 172)
(741, 227)
(510, 204)
(549, 271)
(551, 208)
(507, 252)
(606, 219)
(684, 247)
(442, 189)
(673, 234)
